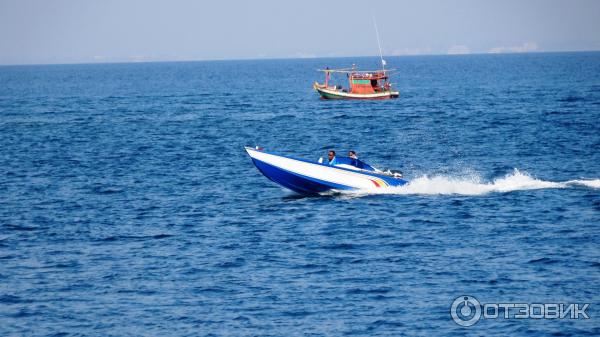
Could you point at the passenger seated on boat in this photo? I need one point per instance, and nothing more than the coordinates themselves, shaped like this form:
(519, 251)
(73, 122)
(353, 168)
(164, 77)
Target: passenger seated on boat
(331, 157)
(354, 159)
(350, 162)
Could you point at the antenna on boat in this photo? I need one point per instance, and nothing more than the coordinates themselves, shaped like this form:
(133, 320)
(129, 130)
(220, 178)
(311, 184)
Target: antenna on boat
(379, 44)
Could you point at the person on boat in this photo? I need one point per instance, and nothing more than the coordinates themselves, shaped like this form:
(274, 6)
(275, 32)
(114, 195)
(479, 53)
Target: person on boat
(354, 159)
(331, 157)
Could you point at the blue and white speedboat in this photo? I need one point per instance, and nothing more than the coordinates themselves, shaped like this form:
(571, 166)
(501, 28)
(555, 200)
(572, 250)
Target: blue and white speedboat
(311, 178)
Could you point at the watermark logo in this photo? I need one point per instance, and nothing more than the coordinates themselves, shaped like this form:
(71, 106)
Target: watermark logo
(467, 310)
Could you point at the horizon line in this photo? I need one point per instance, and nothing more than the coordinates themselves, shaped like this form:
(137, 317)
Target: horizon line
(289, 58)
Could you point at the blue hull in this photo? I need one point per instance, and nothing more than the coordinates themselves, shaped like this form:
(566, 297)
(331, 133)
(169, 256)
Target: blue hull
(295, 182)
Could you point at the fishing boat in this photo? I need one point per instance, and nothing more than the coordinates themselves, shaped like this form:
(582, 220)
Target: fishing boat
(370, 84)
(313, 177)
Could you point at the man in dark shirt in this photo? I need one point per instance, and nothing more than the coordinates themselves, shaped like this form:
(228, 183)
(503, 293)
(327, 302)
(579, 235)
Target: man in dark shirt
(355, 162)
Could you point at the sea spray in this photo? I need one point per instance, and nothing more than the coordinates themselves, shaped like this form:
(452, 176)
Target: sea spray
(473, 185)
(593, 183)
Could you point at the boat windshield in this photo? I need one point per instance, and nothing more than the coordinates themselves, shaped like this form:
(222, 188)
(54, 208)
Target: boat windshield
(354, 162)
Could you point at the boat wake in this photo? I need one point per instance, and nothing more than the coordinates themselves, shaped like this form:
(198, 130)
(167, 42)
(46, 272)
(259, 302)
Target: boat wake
(473, 185)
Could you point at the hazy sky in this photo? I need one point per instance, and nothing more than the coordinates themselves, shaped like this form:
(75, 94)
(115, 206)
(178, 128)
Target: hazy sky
(69, 31)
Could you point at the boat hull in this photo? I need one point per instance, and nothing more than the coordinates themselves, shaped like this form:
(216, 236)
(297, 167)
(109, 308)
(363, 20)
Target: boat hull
(311, 178)
(327, 93)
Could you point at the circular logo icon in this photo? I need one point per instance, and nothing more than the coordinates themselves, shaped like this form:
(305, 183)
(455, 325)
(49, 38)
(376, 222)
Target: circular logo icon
(465, 310)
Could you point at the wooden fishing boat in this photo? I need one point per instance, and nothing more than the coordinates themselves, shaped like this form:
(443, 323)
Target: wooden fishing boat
(362, 85)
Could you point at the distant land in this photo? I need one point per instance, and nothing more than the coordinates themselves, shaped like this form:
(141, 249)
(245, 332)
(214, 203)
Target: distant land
(455, 50)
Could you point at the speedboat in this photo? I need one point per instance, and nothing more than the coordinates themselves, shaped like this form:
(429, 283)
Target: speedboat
(312, 177)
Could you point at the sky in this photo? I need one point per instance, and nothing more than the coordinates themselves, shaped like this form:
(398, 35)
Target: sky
(89, 31)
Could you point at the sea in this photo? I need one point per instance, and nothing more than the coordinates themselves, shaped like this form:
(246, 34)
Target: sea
(128, 206)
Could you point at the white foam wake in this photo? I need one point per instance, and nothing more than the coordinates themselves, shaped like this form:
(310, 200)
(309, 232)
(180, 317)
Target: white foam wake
(473, 185)
(593, 183)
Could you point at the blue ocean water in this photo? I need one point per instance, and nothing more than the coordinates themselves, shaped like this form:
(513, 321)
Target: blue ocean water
(129, 207)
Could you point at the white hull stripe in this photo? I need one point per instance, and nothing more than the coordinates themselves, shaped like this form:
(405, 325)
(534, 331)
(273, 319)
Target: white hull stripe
(347, 94)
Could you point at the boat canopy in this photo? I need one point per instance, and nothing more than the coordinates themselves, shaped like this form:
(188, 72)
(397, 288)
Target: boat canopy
(370, 74)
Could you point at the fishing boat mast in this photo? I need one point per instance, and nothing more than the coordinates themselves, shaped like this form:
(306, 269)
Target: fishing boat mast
(379, 45)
